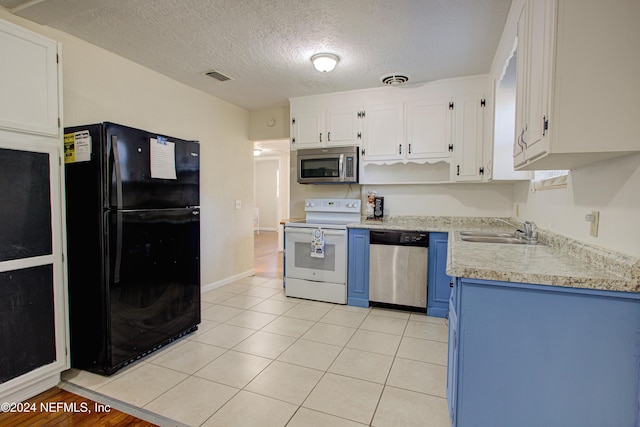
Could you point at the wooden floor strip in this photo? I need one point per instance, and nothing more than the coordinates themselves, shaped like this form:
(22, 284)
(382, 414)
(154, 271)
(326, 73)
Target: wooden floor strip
(61, 408)
(267, 259)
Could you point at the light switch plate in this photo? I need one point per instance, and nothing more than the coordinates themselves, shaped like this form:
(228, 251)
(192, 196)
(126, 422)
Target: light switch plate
(238, 204)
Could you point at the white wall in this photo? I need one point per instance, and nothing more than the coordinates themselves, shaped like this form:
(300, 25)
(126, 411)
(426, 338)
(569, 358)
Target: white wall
(611, 187)
(269, 123)
(100, 86)
(445, 199)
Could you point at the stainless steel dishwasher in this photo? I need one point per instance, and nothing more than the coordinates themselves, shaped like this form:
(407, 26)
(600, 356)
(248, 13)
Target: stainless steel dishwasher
(398, 267)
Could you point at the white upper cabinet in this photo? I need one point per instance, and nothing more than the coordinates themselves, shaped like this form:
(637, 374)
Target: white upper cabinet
(415, 131)
(577, 84)
(428, 124)
(383, 133)
(324, 127)
(468, 138)
(404, 135)
(28, 81)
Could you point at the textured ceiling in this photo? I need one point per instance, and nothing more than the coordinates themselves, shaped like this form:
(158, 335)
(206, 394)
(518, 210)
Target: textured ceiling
(265, 45)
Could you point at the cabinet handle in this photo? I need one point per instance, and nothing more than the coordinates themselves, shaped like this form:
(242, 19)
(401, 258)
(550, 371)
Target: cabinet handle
(458, 173)
(451, 283)
(399, 148)
(409, 148)
(320, 136)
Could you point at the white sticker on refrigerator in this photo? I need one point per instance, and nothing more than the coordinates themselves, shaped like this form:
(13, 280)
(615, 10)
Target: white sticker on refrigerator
(163, 158)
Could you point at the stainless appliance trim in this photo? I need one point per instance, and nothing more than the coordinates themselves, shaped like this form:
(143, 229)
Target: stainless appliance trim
(338, 153)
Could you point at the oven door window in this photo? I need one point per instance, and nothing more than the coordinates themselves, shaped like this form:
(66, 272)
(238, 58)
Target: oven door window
(326, 167)
(301, 265)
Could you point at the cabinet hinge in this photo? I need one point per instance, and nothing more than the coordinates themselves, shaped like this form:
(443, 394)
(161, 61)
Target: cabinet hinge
(362, 151)
(359, 135)
(293, 121)
(59, 122)
(451, 106)
(483, 102)
(450, 147)
(361, 114)
(57, 58)
(545, 125)
(481, 170)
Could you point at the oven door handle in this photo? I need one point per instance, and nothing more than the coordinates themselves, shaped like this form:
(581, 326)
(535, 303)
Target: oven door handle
(307, 231)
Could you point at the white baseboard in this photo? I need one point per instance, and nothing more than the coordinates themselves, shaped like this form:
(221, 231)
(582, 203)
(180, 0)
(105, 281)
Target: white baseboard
(31, 388)
(220, 283)
(267, 229)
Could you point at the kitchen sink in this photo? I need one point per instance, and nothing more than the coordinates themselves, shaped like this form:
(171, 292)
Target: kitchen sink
(494, 239)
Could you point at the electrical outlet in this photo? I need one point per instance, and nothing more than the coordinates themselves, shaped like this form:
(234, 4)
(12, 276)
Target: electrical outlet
(595, 221)
(238, 204)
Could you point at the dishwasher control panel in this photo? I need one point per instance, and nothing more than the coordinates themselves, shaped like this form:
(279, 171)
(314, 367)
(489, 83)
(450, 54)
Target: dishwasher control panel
(399, 238)
(414, 237)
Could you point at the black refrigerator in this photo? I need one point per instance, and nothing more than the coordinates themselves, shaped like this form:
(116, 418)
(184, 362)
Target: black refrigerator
(133, 243)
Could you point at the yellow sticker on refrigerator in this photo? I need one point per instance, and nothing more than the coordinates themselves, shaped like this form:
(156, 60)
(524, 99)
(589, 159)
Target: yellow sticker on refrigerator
(77, 147)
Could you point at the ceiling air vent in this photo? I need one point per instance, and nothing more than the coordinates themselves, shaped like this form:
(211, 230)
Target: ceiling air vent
(394, 79)
(215, 74)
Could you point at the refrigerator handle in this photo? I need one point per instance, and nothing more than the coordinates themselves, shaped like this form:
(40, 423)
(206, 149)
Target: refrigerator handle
(118, 260)
(116, 167)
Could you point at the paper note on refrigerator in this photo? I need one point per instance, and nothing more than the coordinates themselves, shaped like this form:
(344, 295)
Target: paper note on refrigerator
(163, 158)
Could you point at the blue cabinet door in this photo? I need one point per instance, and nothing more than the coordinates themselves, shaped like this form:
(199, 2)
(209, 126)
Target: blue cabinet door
(358, 268)
(531, 355)
(439, 285)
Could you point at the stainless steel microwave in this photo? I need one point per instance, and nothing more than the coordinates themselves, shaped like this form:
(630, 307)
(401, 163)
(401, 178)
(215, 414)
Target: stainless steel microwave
(335, 165)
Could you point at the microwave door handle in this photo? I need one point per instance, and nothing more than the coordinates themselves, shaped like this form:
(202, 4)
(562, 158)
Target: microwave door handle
(341, 167)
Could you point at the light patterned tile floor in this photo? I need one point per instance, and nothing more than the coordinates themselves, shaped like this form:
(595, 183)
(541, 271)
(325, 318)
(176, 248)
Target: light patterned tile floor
(261, 358)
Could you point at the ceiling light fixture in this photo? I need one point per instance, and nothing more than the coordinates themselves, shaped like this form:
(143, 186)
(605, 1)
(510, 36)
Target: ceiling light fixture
(257, 152)
(324, 62)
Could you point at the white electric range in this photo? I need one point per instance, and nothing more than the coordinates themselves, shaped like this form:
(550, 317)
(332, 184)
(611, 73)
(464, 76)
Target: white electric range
(315, 250)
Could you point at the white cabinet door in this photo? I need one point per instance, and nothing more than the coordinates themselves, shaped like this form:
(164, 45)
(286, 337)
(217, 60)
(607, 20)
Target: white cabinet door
(306, 129)
(536, 95)
(323, 128)
(468, 138)
(521, 86)
(342, 127)
(428, 124)
(28, 81)
(383, 132)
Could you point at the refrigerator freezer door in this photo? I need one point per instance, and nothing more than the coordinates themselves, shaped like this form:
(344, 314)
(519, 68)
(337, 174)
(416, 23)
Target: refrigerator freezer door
(155, 257)
(150, 171)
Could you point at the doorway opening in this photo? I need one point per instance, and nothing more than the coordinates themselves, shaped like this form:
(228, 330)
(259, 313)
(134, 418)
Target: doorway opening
(271, 205)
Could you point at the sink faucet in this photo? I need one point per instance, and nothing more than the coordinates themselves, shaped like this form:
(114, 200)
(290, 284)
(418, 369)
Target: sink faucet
(531, 232)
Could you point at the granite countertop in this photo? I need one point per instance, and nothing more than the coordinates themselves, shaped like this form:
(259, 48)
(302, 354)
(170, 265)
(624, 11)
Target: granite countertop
(557, 261)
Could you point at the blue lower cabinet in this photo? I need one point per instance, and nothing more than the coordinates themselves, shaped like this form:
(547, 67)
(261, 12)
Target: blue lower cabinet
(439, 284)
(358, 268)
(531, 355)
